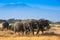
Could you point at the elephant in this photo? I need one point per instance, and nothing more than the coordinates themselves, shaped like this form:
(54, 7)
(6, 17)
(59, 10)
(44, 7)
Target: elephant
(22, 26)
(27, 26)
(30, 25)
(39, 25)
(42, 24)
(5, 25)
(33, 25)
(18, 27)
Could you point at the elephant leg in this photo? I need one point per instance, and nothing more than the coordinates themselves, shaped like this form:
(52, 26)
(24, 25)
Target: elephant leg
(14, 31)
(32, 30)
(7, 28)
(42, 31)
(48, 27)
(38, 31)
(22, 32)
(26, 31)
(19, 33)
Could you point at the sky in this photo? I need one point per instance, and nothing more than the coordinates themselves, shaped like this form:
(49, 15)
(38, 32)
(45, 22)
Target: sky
(30, 9)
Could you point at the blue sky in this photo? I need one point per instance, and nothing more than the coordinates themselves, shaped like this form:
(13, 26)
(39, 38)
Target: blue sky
(30, 9)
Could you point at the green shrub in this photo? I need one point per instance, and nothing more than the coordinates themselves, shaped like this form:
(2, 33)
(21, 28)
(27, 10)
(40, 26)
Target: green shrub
(11, 27)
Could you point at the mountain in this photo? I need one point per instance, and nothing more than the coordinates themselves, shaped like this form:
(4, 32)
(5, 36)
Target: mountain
(22, 5)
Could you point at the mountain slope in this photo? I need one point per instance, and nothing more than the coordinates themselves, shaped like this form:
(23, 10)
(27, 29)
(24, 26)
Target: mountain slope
(22, 5)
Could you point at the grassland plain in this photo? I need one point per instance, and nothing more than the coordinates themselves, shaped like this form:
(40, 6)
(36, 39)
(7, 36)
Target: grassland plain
(31, 38)
(53, 34)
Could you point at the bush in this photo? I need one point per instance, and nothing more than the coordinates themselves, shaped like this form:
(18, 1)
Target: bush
(11, 27)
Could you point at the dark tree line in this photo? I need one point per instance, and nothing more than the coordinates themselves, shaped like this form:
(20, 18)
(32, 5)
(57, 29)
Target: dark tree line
(9, 20)
(14, 20)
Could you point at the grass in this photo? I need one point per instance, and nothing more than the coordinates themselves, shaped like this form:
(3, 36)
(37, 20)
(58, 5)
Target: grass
(31, 38)
(53, 34)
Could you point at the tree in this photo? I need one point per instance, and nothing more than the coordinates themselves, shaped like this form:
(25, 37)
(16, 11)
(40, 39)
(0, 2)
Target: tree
(11, 20)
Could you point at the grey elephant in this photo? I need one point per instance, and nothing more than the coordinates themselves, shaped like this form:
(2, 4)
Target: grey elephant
(33, 25)
(27, 26)
(39, 25)
(5, 25)
(42, 24)
(18, 27)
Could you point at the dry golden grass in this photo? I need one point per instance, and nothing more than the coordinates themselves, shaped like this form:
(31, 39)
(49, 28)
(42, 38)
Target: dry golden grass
(0, 25)
(31, 38)
(53, 34)
(9, 35)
